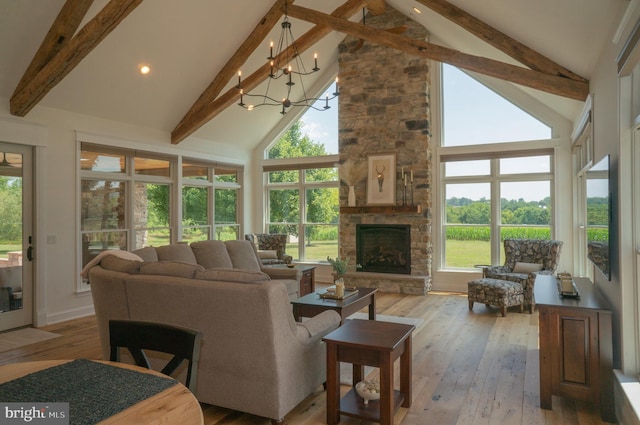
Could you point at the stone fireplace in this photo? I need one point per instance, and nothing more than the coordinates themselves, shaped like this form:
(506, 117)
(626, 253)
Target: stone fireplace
(384, 109)
(383, 248)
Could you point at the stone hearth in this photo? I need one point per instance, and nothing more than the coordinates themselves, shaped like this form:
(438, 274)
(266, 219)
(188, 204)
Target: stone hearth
(384, 108)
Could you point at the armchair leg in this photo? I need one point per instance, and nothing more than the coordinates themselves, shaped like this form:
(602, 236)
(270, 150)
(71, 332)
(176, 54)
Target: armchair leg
(532, 307)
(470, 304)
(503, 311)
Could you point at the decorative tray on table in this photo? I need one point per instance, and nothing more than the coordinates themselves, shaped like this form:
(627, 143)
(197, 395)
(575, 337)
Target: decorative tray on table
(330, 293)
(567, 286)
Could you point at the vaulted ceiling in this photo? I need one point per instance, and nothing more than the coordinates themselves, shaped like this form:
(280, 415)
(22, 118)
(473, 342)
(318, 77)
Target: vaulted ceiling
(89, 61)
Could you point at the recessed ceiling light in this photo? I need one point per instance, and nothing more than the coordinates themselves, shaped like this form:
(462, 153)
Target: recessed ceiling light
(415, 9)
(144, 69)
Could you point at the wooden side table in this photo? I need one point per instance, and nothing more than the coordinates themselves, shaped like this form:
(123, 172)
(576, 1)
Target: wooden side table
(307, 281)
(371, 343)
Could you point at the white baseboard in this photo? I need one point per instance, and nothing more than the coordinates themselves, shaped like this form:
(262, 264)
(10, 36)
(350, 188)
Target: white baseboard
(69, 315)
(627, 396)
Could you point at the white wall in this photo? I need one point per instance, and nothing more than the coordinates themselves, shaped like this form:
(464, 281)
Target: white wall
(54, 134)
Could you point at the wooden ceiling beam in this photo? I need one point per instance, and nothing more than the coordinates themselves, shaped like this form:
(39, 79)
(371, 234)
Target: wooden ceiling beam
(554, 84)
(231, 96)
(61, 31)
(499, 40)
(234, 63)
(376, 7)
(70, 55)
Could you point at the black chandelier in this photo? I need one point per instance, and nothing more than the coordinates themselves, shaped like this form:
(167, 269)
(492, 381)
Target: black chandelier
(293, 69)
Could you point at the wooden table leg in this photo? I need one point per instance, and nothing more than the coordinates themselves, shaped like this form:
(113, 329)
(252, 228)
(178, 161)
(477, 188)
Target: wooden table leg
(358, 373)
(387, 405)
(333, 385)
(545, 360)
(296, 313)
(372, 307)
(405, 372)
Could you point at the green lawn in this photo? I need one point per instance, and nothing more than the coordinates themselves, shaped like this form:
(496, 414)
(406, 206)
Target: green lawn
(317, 251)
(8, 248)
(466, 254)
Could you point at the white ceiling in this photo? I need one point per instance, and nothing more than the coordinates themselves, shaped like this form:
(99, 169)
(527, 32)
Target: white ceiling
(187, 42)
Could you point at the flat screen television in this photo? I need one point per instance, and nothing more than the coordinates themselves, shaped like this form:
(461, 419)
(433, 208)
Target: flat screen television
(599, 216)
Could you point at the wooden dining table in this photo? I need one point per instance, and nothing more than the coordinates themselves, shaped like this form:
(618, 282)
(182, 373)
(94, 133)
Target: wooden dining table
(175, 404)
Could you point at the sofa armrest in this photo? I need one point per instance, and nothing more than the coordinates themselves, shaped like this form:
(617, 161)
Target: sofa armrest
(282, 273)
(318, 326)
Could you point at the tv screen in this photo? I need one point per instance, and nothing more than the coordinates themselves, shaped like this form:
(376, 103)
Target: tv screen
(599, 216)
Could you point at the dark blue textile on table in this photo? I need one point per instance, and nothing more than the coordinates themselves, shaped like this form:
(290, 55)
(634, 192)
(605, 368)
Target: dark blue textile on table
(94, 391)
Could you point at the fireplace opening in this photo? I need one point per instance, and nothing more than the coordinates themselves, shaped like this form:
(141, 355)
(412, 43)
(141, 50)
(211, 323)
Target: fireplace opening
(383, 248)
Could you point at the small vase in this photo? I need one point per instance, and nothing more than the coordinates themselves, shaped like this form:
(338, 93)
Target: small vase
(339, 287)
(352, 196)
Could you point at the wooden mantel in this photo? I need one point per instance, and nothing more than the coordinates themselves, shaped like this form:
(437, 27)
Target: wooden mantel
(382, 209)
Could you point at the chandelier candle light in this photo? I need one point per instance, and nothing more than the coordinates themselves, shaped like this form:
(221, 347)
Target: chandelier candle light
(286, 53)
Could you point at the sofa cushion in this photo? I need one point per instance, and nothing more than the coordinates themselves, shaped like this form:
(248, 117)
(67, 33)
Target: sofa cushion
(232, 275)
(170, 268)
(117, 264)
(176, 252)
(212, 254)
(147, 254)
(243, 255)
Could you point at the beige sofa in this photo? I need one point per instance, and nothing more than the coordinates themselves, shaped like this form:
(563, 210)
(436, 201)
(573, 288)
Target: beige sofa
(254, 357)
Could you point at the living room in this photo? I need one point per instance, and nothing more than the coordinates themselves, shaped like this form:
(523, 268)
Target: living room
(54, 130)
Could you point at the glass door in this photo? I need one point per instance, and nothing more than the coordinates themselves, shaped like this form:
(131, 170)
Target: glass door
(16, 250)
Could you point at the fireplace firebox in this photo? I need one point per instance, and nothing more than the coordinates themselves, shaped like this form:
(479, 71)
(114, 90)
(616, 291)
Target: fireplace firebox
(383, 248)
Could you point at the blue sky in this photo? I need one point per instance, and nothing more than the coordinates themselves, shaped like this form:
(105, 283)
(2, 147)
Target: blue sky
(473, 114)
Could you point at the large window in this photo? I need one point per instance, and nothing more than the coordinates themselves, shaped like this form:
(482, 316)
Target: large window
(129, 200)
(511, 200)
(495, 183)
(303, 203)
(209, 201)
(301, 196)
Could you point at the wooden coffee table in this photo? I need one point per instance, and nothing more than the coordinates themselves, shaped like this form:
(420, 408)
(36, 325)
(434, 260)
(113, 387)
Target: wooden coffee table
(311, 305)
(371, 343)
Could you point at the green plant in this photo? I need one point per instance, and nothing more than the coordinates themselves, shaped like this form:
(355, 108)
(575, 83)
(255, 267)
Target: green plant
(339, 266)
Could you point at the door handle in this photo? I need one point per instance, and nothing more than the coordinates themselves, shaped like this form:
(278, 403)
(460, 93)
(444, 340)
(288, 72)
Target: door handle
(30, 250)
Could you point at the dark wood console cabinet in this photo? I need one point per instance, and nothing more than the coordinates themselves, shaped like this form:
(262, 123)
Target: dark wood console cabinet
(575, 345)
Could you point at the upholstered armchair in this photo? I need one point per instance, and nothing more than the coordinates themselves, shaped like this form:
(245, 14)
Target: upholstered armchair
(524, 260)
(271, 247)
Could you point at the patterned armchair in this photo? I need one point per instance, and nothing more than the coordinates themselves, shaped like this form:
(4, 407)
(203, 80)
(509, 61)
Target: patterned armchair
(271, 247)
(524, 260)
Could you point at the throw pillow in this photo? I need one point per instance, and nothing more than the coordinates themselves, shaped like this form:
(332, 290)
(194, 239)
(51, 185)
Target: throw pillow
(147, 254)
(267, 254)
(211, 254)
(527, 267)
(232, 275)
(170, 268)
(243, 255)
(176, 252)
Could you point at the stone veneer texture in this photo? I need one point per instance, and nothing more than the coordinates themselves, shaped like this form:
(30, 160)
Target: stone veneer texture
(384, 108)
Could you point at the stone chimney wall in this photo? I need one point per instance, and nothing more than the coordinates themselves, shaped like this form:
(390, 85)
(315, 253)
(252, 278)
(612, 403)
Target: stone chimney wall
(384, 108)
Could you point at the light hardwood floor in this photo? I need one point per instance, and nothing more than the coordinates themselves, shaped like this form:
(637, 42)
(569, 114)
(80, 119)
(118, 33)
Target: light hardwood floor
(469, 368)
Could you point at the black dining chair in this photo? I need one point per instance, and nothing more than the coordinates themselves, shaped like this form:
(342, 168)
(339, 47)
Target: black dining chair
(137, 336)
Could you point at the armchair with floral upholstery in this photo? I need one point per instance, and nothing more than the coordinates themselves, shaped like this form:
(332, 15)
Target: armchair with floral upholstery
(271, 247)
(524, 260)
